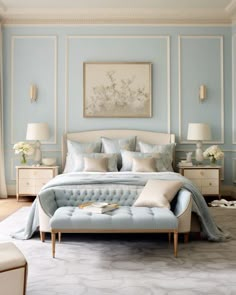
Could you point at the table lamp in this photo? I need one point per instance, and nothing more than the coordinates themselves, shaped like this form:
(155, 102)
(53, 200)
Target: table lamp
(37, 132)
(199, 132)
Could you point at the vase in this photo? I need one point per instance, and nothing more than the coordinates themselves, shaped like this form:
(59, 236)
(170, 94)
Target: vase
(23, 159)
(212, 161)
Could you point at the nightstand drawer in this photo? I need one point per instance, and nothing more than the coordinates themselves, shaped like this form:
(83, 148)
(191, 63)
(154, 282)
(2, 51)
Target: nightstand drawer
(26, 186)
(210, 182)
(33, 173)
(26, 182)
(210, 190)
(201, 173)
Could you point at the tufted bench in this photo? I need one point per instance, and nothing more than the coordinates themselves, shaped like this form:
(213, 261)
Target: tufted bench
(125, 219)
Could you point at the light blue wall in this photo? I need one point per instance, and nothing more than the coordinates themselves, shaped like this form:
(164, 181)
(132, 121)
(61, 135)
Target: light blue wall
(183, 58)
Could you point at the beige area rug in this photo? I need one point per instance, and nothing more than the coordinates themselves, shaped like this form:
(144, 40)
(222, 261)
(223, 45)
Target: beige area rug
(128, 264)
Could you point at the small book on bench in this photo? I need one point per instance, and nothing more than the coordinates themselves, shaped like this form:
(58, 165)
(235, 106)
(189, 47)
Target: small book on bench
(98, 207)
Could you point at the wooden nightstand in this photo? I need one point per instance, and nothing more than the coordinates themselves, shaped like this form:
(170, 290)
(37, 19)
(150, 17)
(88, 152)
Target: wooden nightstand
(30, 179)
(206, 178)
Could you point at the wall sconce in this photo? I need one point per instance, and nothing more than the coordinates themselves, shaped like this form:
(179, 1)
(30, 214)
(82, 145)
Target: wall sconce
(202, 92)
(33, 93)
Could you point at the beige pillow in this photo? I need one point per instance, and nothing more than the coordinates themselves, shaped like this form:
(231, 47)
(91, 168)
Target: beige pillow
(144, 165)
(158, 193)
(95, 165)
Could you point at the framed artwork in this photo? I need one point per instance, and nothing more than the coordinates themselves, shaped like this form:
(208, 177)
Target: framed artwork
(117, 89)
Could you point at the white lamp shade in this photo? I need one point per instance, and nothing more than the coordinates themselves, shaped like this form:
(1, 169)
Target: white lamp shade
(199, 131)
(37, 131)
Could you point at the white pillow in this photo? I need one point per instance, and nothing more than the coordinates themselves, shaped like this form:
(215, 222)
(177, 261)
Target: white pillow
(158, 193)
(144, 165)
(75, 148)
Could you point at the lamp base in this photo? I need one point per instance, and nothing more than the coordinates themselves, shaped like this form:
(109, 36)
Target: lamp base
(37, 153)
(199, 153)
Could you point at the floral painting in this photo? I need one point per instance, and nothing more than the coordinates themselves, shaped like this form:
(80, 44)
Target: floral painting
(117, 89)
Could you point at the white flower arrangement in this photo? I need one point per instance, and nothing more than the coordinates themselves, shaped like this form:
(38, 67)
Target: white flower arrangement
(214, 153)
(23, 148)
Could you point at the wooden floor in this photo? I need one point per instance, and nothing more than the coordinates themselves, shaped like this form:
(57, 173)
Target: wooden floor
(10, 205)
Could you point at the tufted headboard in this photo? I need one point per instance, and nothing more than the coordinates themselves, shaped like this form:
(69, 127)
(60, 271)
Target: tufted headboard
(95, 135)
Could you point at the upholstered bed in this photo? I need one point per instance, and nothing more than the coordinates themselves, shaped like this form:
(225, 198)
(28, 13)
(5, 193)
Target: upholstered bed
(132, 159)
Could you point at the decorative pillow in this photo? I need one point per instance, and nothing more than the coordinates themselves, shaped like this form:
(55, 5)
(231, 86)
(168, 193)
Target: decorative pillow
(112, 161)
(114, 146)
(144, 165)
(95, 165)
(158, 193)
(74, 148)
(167, 151)
(83, 147)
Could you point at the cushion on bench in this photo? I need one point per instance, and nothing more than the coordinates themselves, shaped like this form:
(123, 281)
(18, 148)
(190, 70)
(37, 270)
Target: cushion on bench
(124, 218)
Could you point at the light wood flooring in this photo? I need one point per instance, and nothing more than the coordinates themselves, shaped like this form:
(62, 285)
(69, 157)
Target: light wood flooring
(10, 205)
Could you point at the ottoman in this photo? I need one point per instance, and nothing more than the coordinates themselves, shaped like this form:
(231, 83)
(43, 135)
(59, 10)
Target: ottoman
(125, 219)
(13, 270)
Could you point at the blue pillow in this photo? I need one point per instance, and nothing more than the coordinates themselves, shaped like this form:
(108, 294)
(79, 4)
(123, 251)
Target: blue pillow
(114, 146)
(163, 162)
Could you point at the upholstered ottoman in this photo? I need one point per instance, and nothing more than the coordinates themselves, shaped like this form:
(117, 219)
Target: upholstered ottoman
(13, 270)
(125, 219)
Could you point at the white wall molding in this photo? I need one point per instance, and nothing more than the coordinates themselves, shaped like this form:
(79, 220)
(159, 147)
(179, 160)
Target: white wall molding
(67, 45)
(220, 37)
(233, 87)
(54, 38)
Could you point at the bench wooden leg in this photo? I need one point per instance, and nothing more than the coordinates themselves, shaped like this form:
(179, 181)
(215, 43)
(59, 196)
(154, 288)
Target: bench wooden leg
(53, 236)
(175, 243)
(42, 236)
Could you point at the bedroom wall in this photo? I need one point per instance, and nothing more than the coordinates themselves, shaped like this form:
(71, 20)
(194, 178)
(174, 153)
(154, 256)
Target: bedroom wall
(182, 59)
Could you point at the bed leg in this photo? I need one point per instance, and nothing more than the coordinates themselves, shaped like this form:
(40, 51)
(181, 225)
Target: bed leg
(59, 237)
(175, 243)
(186, 237)
(169, 237)
(42, 236)
(53, 235)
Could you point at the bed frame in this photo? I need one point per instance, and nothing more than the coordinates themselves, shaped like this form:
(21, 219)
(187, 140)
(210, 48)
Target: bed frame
(95, 135)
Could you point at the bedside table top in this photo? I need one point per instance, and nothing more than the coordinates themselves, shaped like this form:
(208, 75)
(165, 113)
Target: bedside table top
(35, 167)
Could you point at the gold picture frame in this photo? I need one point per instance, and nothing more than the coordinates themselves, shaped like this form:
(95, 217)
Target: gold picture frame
(116, 89)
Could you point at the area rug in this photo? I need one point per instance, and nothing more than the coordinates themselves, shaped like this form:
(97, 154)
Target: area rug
(127, 264)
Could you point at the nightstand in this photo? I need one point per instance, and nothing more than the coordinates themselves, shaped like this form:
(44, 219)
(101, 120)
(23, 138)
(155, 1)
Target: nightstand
(30, 179)
(206, 178)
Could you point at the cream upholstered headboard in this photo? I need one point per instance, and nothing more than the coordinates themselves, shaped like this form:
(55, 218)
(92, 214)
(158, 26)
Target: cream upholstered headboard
(95, 135)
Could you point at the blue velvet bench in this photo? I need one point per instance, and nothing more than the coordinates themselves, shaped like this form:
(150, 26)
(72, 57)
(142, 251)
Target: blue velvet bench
(125, 219)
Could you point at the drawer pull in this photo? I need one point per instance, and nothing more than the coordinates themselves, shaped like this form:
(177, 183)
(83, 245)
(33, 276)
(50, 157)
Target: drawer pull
(210, 183)
(27, 183)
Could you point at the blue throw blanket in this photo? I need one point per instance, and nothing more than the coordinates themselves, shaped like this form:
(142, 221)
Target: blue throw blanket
(75, 179)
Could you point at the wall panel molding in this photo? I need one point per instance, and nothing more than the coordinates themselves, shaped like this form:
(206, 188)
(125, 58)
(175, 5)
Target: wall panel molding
(168, 78)
(221, 44)
(233, 88)
(12, 95)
